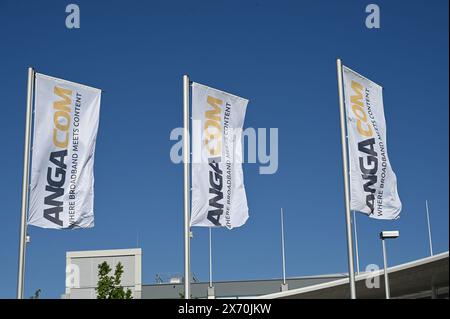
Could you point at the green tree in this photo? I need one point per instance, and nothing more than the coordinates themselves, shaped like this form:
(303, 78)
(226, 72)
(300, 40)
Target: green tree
(109, 287)
(181, 294)
(36, 295)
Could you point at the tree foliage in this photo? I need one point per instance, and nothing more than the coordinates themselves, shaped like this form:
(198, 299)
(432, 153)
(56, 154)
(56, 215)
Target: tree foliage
(36, 295)
(109, 287)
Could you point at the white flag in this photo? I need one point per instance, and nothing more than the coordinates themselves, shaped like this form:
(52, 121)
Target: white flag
(218, 193)
(373, 182)
(65, 129)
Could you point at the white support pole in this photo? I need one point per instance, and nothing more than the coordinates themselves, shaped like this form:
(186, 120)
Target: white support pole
(210, 258)
(25, 185)
(211, 290)
(356, 243)
(386, 277)
(351, 271)
(429, 229)
(434, 292)
(282, 247)
(186, 156)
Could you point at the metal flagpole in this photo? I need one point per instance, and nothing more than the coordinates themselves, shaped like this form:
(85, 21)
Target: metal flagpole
(210, 257)
(186, 153)
(429, 229)
(351, 271)
(356, 242)
(25, 185)
(282, 247)
(211, 290)
(386, 276)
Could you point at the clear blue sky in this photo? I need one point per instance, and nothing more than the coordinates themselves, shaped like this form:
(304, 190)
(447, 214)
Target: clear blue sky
(281, 56)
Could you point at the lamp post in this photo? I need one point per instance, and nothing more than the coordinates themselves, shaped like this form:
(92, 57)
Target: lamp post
(387, 235)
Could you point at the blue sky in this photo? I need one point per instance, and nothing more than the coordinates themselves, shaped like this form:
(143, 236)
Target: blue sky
(278, 54)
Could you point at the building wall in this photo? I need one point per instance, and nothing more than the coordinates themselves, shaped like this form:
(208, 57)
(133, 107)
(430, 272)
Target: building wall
(231, 289)
(82, 271)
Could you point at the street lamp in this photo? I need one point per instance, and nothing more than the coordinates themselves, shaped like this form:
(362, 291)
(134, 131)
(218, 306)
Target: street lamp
(387, 235)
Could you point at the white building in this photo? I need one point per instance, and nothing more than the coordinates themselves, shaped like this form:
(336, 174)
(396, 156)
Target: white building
(82, 271)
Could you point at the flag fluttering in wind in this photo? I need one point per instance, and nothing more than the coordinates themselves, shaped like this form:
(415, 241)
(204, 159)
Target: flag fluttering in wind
(373, 183)
(218, 193)
(65, 131)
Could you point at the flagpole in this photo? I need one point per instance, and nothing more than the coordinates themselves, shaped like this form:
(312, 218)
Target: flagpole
(282, 247)
(186, 153)
(356, 243)
(351, 271)
(210, 258)
(25, 185)
(429, 229)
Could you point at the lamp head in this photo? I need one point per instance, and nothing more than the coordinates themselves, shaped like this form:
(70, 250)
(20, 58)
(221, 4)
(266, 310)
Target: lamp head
(389, 234)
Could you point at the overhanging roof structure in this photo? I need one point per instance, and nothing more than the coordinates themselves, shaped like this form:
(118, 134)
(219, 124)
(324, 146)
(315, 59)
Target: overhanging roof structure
(417, 279)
